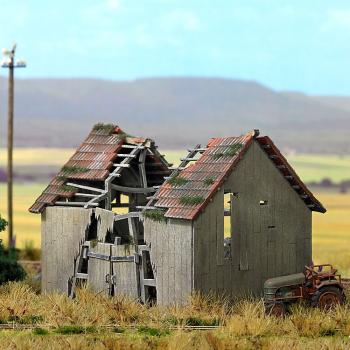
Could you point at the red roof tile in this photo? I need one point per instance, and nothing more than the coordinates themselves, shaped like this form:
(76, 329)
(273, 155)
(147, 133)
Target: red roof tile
(216, 163)
(92, 161)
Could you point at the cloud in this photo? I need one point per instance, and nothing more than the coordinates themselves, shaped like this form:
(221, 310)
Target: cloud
(337, 19)
(184, 19)
(113, 4)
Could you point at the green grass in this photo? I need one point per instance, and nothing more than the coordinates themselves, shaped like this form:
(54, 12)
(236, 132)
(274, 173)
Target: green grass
(155, 215)
(177, 181)
(191, 200)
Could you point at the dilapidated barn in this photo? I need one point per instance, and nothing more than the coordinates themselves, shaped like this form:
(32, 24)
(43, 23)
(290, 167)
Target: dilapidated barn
(230, 216)
(236, 216)
(91, 228)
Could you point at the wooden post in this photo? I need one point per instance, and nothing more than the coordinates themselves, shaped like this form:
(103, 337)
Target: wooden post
(10, 154)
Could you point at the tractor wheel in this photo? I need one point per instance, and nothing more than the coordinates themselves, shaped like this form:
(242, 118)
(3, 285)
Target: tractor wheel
(276, 308)
(327, 298)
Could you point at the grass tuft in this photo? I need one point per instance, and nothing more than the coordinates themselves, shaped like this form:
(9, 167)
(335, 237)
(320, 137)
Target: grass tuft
(40, 331)
(229, 152)
(209, 180)
(154, 215)
(153, 332)
(108, 128)
(177, 181)
(75, 330)
(74, 169)
(191, 200)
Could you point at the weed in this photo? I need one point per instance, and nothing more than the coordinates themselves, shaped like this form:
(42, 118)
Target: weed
(196, 321)
(75, 330)
(229, 152)
(108, 128)
(153, 332)
(191, 200)
(209, 180)
(177, 181)
(74, 169)
(40, 331)
(155, 215)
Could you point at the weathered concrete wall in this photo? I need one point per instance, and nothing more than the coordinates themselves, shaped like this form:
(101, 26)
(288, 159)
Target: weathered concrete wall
(171, 257)
(267, 240)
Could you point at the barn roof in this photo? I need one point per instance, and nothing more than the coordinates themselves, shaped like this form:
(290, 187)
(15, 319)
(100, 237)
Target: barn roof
(92, 161)
(197, 183)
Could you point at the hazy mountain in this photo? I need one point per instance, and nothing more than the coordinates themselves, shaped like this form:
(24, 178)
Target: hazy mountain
(176, 112)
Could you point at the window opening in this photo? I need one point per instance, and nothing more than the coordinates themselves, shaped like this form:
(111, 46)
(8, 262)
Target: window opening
(228, 197)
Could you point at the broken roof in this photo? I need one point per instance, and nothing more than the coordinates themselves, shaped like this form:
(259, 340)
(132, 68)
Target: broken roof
(92, 161)
(200, 181)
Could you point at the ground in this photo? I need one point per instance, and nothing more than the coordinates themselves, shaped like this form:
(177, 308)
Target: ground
(93, 321)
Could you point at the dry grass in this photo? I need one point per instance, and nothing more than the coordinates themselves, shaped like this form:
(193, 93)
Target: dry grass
(96, 322)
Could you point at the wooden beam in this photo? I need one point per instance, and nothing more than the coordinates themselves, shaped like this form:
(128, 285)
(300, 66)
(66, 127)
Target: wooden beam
(89, 195)
(125, 189)
(142, 168)
(93, 189)
(134, 214)
(75, 204)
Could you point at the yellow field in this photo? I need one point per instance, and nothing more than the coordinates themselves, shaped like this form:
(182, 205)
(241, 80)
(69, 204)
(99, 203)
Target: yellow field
(310, 167)
(331, 231)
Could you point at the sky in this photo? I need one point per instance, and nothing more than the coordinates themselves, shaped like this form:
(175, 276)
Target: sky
(301, 45)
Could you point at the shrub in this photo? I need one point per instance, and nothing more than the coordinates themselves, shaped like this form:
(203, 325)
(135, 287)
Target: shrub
(10, 270)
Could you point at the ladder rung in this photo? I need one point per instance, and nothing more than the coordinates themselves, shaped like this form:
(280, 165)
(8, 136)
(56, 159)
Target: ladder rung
(133, 146)
(126, 155)
(197, 150)
(121, 165)
(188, 159)
(177, 168)
(86, 195)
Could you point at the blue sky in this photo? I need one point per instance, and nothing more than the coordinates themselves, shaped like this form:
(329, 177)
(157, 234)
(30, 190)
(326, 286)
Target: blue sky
(285, 44)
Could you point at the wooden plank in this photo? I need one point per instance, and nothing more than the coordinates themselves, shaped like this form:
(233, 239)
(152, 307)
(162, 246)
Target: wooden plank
(134, 214)
(179, 235)
(93, 189)
(99, 269)
(142, 168)
(125, 275)
(75, 204)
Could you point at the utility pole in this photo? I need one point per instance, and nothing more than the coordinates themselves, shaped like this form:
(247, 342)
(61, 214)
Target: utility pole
(9, 62)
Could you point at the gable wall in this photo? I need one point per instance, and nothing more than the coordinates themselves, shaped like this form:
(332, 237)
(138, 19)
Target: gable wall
(258, 251)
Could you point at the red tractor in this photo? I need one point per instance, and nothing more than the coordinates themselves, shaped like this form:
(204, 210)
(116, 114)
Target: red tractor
(319, 285)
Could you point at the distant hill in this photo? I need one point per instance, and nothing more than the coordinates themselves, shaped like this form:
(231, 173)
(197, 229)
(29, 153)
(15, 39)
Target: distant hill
(176, 112)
